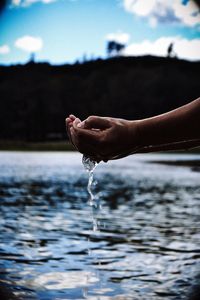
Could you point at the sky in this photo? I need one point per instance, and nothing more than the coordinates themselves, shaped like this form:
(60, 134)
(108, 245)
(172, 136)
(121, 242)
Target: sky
(64, 31)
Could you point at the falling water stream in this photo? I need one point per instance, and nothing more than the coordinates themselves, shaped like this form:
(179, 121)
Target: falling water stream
(90, 165)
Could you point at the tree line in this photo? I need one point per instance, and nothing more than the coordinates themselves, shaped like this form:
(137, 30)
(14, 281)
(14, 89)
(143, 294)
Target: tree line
(36, 98)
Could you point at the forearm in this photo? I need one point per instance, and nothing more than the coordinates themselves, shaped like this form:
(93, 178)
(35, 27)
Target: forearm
(181, 124)
(186, 145)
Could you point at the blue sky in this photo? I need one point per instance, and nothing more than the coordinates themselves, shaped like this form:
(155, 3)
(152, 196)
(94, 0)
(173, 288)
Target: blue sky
(63, 31)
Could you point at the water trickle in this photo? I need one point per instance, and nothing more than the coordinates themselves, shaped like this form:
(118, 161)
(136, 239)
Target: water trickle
(89, 165)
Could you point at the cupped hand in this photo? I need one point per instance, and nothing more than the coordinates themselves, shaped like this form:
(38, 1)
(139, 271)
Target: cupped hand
(104, 138)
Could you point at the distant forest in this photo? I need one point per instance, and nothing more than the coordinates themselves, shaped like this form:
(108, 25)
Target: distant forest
(36, 97)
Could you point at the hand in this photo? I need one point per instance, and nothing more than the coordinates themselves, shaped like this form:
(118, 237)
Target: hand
(104, 138)
(109, 138)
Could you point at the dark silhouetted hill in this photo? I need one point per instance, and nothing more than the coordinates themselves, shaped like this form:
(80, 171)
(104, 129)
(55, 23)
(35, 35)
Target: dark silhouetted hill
(36, 98)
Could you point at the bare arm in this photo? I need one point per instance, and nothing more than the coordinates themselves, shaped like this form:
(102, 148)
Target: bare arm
(179, 125)
(109, 138)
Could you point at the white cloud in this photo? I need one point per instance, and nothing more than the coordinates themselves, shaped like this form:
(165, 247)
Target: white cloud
(188, 49)
(4, 49)
(139, 7)
(165, 11)
(25, 3)
(183, 48)
(15, 2)
(153, 22)
(29, 43)
(120, 37)
(189, 14)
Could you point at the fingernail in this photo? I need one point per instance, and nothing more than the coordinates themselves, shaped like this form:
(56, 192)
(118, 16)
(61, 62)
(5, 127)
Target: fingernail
(68, 121)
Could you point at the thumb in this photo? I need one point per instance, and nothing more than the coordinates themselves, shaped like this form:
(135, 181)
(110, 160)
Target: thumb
(94, 122)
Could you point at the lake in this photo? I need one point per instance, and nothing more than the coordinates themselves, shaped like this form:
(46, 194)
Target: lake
(148, 246)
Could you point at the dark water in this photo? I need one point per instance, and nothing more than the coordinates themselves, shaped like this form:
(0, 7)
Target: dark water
(149, 244)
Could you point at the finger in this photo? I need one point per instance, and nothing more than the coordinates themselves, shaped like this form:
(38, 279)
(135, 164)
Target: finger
(88, 136)
(73, 137)
(75, 123)
(95, 122)
(68, 120)
(72, 117)
(68, 125)
(85, 135)
(83, 146)
(70, 138)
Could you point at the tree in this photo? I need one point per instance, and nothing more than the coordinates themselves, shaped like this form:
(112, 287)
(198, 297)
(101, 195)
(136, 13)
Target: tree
(114, 48)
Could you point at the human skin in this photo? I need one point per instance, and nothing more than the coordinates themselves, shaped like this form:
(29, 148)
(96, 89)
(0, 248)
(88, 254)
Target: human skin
(105, 138)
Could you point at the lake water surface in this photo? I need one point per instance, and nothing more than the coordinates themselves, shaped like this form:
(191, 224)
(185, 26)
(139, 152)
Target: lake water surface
(148, 247)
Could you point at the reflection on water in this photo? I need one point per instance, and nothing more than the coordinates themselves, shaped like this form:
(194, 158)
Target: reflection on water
(148, 243)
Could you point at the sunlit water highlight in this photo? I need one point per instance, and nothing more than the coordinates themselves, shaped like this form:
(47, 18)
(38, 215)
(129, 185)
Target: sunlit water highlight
(149, 248)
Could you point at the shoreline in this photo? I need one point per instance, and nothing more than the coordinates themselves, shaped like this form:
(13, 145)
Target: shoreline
(36, 146)
(61, 146)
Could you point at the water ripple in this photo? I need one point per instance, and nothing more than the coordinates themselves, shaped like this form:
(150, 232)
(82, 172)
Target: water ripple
(148, 246)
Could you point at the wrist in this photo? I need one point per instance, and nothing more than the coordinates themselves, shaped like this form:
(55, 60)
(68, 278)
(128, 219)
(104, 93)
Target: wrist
(146, 132)
(136, 134)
